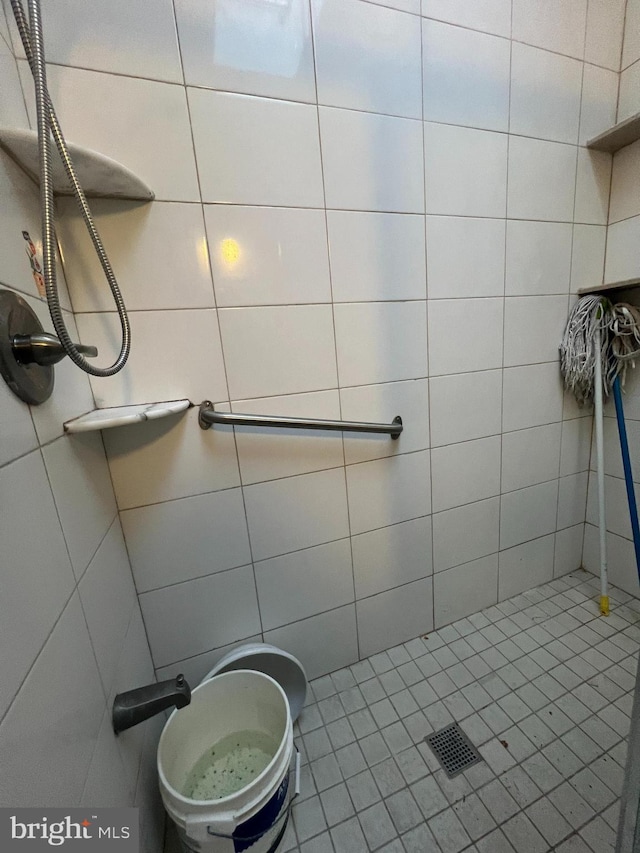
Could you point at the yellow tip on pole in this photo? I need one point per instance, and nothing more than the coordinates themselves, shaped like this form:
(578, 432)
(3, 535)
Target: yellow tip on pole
(604, 605)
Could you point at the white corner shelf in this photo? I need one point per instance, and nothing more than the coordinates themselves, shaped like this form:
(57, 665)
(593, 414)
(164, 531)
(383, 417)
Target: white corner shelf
(612, 287)
(99, 176)
(123, 415)
(622, 134)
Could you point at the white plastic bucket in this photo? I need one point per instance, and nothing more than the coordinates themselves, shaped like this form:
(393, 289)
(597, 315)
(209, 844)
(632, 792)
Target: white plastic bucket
(255, 816)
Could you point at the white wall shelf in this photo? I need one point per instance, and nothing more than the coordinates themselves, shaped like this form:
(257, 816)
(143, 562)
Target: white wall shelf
(624, 133)
(610, 288)
(123, 415)
(99, 176)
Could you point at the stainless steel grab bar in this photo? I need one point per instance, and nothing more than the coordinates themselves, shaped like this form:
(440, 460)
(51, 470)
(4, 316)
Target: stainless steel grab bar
(208, 417)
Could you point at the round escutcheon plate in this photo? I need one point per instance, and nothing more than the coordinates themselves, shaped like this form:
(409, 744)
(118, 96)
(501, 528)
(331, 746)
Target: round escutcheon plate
(33, 383)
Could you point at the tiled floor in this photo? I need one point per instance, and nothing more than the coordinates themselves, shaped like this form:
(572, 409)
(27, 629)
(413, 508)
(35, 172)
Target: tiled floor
(541, 684)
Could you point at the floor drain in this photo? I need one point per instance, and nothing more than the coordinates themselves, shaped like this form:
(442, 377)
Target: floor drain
(453, 749)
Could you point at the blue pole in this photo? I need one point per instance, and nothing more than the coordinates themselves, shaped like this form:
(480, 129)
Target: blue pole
(626, 463)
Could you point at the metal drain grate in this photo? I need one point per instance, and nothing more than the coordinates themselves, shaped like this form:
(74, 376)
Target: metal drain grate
(453, 749)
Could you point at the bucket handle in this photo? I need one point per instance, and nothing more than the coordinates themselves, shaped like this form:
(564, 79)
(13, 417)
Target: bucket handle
(285, 814)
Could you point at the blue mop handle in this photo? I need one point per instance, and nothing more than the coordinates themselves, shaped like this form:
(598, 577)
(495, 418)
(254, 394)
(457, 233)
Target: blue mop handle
(626, 463)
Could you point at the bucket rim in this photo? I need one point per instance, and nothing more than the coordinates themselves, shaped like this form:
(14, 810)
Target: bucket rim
(180, 797)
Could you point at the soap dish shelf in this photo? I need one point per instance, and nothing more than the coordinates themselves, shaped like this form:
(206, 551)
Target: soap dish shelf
(124, 415)
(99, 176)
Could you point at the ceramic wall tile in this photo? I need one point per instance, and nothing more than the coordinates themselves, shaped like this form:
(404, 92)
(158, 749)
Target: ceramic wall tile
(525, 566)
(538, 258)
(459, 591)
(256, 150)
(55, 718)
(147, 116)
(465, 534)
(170, 458)
(466, 77)
(483, 347)
(267, 255)
(176, 355)
(41, 580)
(465, 406)
(394, 616)
(465, 473)
(541, 180)
(599, 101)
(269, 453)
(545, 94)
(367, 57)
(490, 16)
(629, 100)
(184, 539)
(605, 26)
(533, 327)
(81, 485)
(478, 271)
(278, 350)
(297, 512)
(108, 597)
(352, 142)
(306, 639)
(531, 456)
(387, 491)
(528, 513)
(258, 50)
(376, 256)
(532, 396)
(158, 253)
(391, 556)
(297, 586)
(365, 336)
(381, 404)
(214, 610)
(625, 184)
(557, 25)
(465, 171)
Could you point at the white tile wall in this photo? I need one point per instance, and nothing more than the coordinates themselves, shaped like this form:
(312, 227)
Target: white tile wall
(458, 591)
(371, 162)
(297, 586)
(387, 491)
(269, 152)
(605, 24)
(367, 57)
(466, 77)
(184, 539)
(465, 406)
(395, 616)
(479, 270)
(556, 25)
(538, 258)
(490, 16)
(258, 50)
(367, 337)
(465, 171)
(158, 252)
(391, 556)
(541, 180)
(545, 94)
(62, 640)
(267, 255)
(315, 244)
(376, 256)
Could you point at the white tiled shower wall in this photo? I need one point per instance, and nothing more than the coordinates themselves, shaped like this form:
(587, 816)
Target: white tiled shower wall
(363, 210)
(71, 630)
(411, 207)
(622, 263)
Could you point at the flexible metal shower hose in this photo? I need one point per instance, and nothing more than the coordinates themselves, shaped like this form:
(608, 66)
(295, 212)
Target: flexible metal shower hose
(32, 40)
